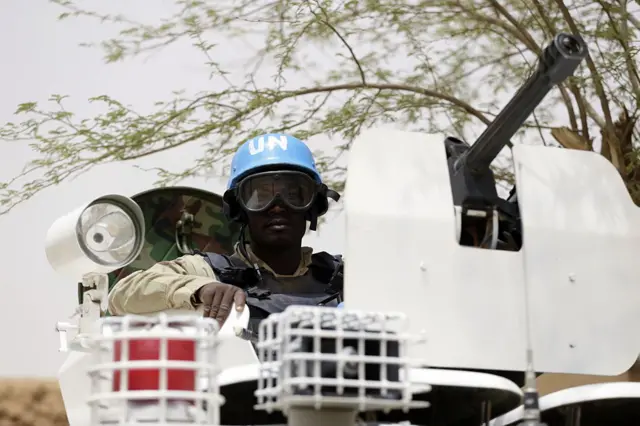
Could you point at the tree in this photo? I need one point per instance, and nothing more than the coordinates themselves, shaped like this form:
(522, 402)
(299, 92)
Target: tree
(425, 65)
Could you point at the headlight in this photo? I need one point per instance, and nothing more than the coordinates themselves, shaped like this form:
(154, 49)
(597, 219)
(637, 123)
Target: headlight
(102, 236)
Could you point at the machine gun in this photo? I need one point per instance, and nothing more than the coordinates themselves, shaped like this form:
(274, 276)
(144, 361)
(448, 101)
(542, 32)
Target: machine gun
(486, 220)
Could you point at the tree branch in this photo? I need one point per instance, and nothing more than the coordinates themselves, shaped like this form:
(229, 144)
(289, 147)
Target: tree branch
(333, 29)
(429, 62)
(551, 28)
(521, 34)
(604, 103)
(621, 35)
(458, 103)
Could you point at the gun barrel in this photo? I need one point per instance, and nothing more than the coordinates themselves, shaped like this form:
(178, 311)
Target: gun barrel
(558, 61)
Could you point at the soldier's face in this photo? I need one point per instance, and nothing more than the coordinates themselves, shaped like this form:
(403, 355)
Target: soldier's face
(279, 226)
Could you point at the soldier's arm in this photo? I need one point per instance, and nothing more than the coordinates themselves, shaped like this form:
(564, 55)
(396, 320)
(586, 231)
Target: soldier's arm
(166, 285)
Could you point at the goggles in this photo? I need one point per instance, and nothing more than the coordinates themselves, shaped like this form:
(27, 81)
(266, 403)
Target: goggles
(257, 193)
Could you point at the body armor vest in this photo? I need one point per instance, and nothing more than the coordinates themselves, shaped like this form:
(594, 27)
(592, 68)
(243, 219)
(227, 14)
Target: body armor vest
(266, 294)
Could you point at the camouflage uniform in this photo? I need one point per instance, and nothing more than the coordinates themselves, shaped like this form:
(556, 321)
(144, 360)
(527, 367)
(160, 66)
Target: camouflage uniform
(172, 284)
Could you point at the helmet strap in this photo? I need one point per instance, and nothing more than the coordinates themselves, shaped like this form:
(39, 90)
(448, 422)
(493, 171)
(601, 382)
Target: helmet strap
(313, 219)
(242, 245)
(332, 194)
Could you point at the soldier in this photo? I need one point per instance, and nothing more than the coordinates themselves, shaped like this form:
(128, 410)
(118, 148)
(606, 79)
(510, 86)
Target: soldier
(274, 189)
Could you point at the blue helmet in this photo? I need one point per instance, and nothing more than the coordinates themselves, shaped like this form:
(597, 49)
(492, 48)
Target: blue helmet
(275, 151)
(270, 151)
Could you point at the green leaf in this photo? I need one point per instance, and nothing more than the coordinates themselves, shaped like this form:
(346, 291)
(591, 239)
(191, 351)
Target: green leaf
(441, 66)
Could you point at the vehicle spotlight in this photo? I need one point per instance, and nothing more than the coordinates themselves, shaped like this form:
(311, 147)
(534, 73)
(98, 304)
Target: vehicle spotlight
(99, 237)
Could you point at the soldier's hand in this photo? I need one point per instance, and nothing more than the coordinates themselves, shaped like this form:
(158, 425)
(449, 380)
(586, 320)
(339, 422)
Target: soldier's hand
(218, 298)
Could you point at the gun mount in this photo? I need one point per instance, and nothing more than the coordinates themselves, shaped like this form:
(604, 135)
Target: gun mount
(472, 182)
(463, 304)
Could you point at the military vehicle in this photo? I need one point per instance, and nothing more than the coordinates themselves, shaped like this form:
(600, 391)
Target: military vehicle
(501, 291)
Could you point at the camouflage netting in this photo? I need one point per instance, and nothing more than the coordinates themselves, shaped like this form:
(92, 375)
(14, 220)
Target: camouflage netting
(164, 209)
(31, 402)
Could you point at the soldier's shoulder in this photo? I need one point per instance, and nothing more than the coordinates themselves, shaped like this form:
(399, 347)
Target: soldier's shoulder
(195, 260)
(326, 257)
(326, 253)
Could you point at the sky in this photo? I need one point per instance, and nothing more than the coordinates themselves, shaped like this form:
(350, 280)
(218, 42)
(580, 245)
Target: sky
(40, 57)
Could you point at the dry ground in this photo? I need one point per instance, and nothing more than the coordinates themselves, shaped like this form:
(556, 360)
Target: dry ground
(37, 402)
(31, 402)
